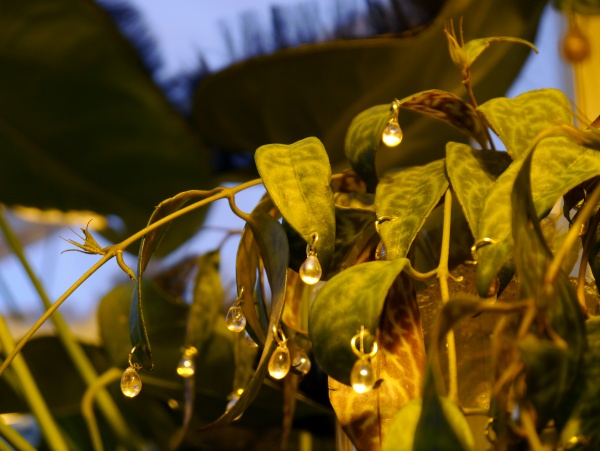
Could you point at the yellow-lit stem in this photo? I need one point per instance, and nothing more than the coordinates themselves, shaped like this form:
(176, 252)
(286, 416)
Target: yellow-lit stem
(443, 275)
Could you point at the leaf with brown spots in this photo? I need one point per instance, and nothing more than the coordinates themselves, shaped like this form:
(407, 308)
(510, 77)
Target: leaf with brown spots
(399, 365)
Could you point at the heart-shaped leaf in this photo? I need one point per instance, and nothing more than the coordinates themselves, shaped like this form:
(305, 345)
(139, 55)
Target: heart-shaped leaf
(298, 178)
(399, 367)
(472, 174)
(406, 198)
(351, 299)
(517, 121)
(558, 165)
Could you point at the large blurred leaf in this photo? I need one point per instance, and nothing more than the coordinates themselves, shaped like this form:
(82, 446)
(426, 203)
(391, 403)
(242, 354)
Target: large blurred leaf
(407, 197)
(82, 118)
(316, 90)
(558, 165)
(351, 299)
(298, 179)
(472, 173)
(517, 121)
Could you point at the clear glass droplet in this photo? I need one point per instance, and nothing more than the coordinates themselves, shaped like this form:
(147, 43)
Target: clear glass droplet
(392, 135)
(279, 363)
(249, 341)
(310, 271)
(362, 376)
(301, 362)
(235, 319)
(381, 251)
(186, 366)
(131, 383)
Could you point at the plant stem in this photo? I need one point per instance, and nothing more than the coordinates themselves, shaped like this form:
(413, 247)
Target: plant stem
(87, 404)
(32, 395)
(443, 275)
(111, 252)
(74, 349)
(13, 437)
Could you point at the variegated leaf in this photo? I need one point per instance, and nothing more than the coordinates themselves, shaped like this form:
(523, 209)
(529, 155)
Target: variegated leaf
(472, 174)
(298, 179)
(399, 364)
(558, 166)
(351, 299)
(350, 225)
(407, 197)
(517, 121)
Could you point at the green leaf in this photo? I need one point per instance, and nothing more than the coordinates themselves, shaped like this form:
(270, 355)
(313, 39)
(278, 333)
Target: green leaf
(364, 134)
(472, 174)
(317, 90)
(82, 118)
(363, 139)
(551, 397)
(207, 301)
(150, 242)
(351, 224)
(475, 47)
(586, 7)
(558, 165)
(274, 251)
(441, 424)
(408, 197)
(351, 299)
(298, 179)
(517, 121)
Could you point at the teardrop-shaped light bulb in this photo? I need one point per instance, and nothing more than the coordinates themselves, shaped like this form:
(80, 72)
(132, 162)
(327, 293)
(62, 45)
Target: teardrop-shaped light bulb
(301, 362)
(362, 376)
(392, 134)
(235, 319)
(186, 366)
(131, 383)
(310, 271)
(279, 363)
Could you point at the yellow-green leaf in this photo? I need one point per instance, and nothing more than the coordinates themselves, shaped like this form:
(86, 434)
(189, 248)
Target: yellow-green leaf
(475, 47)
(298, 178)
(407, 197)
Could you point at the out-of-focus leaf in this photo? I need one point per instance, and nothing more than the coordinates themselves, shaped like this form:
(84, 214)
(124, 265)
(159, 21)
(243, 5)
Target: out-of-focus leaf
(351, 299)
(558, 165)
(407, 197)
(517, 121)
(317, 90)
(441, 424)
(586, 7)
(399, 364)
(82, 118)
(298, 178)
(207, 301)
(150, 242)
(472, 173)
(559, 305)
(475, 47)
(274, 252)
(297, 303)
